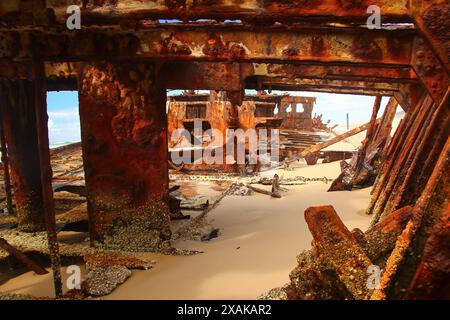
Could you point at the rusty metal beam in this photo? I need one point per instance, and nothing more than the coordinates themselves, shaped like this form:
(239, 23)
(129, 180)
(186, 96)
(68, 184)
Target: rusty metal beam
(187, 72)
(352, 91)
(431, 71)
(17, 99)
(421, 166)
(125, 155)
(432, 278)
(362, 151)
(432, 18)
(201, 75)
(409, 94)
(274, 10)
(30, 264)
(348, 78)
(5, 165)
(329, 71)
(40, 108)
(396, 164)
(323, 145)
(278, 43)
(423, 207)
(299, 84)
(336, 246)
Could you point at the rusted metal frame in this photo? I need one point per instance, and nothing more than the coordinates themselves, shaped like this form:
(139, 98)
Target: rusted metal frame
(336, 247)
(380, 239)
(393, 152)
(386, 152)
(46, 174)
(384, 129)
(390, 120)
(290, 86)
(409, 95)
(325, 83)
(377, 142)
(22, 257)
(437, 202)
(333, 71)
(61, 76)
(389, 163)
(19, 125)
(376, 47)
(12, 70)
(393, 145)
(5, 163)
(370, 134)
(416, 150)
(315, 276)
(401, 98)
(195, 73)
(236, 99)
(399, 135)
(201, 75)
(386, 118)
(404, 240)
(277, 10)
(425, 156)
(330, 85)
(369, 138)
(226, 75)
(125, 154)
(433, 74)
(25, 13)
(431, 18)
(323, 145)
(431, 280)
(356, 91)
(399, 160)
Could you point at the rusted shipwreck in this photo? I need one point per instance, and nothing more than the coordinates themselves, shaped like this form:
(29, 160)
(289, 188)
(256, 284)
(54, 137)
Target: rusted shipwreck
(260, 111)
(124, 58)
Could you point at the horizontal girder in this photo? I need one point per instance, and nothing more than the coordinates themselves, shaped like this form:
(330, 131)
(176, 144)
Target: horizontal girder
(234, 76)
(346, 45)
(356, 87)
(273, 10)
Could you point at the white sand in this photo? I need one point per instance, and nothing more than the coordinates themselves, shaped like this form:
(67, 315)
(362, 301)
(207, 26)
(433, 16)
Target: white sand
(269, 233)
(36, 285)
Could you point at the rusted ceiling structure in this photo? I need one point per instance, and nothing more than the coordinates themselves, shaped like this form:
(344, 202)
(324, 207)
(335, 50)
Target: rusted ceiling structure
(124, 58)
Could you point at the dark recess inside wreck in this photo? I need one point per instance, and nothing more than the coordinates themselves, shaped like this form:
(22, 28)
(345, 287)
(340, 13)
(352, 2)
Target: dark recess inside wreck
(125, 60)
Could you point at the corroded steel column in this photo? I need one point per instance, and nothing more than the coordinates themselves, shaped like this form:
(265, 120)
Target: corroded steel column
(431, 280)
(232, 122)
(17, 99)
(124, 140)
(40, 108)
(5, 165)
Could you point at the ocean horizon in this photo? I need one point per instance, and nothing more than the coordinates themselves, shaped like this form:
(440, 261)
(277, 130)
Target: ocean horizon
(61, 144)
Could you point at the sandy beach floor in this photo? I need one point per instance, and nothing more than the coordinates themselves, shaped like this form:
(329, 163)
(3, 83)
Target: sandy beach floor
(259, 240)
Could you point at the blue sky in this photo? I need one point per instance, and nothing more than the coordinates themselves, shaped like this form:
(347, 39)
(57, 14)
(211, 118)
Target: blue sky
(64, 123)
(64, 119)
